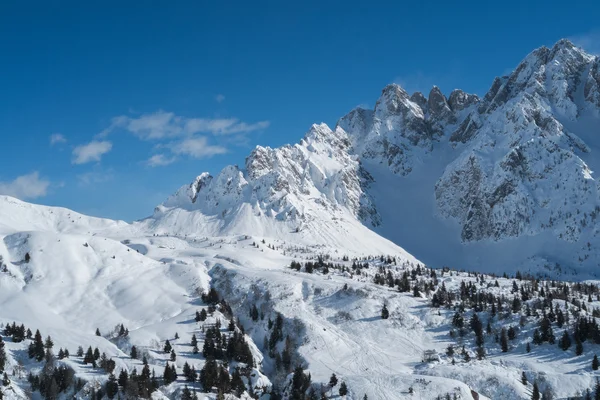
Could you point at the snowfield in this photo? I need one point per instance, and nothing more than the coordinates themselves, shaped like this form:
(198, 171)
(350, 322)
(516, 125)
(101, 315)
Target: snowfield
(290, 270)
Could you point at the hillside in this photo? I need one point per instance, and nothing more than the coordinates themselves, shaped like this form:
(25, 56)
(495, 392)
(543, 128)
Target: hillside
(429, 248)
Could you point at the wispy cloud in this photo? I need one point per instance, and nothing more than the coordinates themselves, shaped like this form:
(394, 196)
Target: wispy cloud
(197, 147)
(164, 125)
(95, 177)
(24, 187)
(159, 160)
(220, 98)
(589, 41)
(90, 152)
(57, 138)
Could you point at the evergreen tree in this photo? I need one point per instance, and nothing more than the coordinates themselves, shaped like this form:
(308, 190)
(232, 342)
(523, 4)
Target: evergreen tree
(480, 353)
(343, 389)
(168, 375)
(535, 393)
(194, 342)
(578, 346)
(49, 343)
(385, 314)
(416, 293)
(167, 347)
(36, 348)
(96, 354)
(524, 378)
(112, 386)
(333, 381)
(98, 332)
(595, 363)
(528, 348)
(300, 383)
(186, 394)
(79, 352)
(173, 356)
(237, 384)
(2, 355)
(134, 354)
(503, 340)
(565, 341)
(89, 356)
(209, 375)
(123, 378)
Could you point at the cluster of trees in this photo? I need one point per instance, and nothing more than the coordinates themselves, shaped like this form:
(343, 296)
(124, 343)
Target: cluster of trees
(220, 346)
(134, 384)
(215, 375)
(17, 333)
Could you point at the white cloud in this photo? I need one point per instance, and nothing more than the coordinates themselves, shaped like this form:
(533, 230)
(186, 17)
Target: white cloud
(164, 125)
(196, 147)
(590, 41)
(57, 138)
(159, 160)
(220, 98)
(92, 151)
(95, 177)
(24, 187)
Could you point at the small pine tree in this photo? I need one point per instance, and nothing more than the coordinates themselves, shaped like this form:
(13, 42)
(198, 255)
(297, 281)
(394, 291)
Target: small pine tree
(333, 381)
(173, 355)
(528, 348)
(123, 378)
(343, 389)
(385, 314)
(134, 353)
(167, 347)
(89, 356)
(595, 363)
(112, 387)
(524, 378)
(535, 393)
(503, 341)
(578, 346)
(98, 332)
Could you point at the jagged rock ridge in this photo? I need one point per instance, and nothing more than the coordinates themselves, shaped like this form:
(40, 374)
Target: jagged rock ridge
(518, 160)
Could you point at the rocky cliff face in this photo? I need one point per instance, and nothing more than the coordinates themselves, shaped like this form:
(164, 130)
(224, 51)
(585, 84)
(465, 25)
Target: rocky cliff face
(520, 171)
(516, 158)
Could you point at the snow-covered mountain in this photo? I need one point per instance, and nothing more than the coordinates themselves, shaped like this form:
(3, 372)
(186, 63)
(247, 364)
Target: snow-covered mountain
(498, 183)
(503, 181)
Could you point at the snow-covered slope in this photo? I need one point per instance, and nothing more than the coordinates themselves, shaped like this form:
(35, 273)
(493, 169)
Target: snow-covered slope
(17, 215)
(495, 184)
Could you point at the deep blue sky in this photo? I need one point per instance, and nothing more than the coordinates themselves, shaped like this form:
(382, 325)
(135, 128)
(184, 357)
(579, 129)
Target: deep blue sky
(214, 79)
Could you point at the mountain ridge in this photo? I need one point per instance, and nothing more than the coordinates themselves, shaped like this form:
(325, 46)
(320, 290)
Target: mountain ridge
(510, 161)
